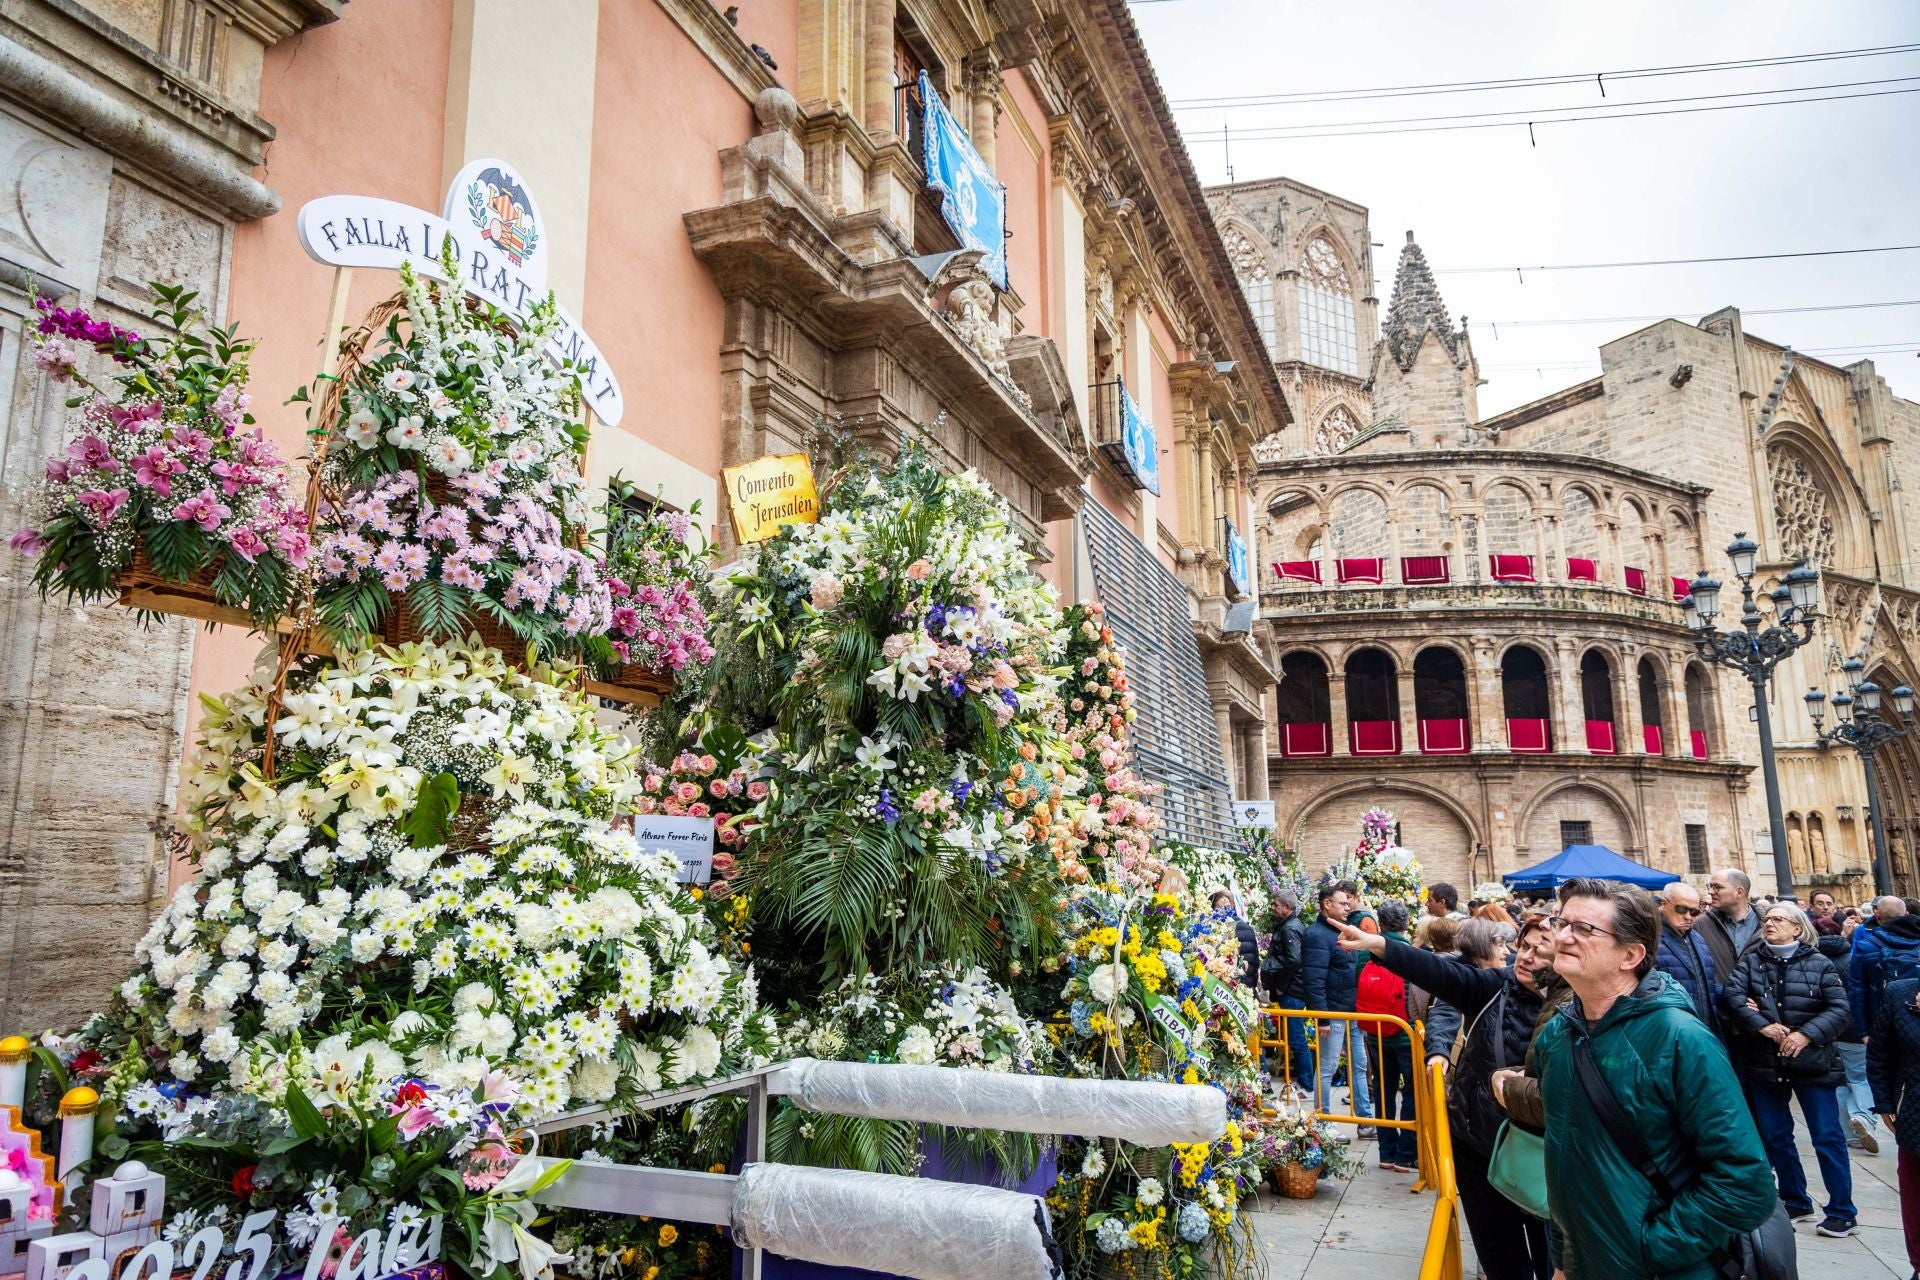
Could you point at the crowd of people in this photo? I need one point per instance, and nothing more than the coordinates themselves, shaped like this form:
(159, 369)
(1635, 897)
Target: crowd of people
(1655, 1047)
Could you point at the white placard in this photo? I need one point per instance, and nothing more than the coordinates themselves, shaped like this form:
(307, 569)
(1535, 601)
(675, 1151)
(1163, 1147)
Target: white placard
(501, 244)
(1253, 813)
(688, 839)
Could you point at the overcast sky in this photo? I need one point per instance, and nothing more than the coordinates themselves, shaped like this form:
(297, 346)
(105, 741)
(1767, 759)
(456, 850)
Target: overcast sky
(1770, 179)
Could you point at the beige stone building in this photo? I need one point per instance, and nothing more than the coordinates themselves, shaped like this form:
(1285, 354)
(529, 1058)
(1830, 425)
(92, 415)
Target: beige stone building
(1477, 620)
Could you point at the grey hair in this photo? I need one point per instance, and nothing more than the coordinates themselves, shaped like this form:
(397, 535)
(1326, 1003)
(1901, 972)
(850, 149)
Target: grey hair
(1477, 939)
(1799, 917)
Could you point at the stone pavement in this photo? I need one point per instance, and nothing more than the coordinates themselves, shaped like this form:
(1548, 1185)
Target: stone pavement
(1373, 1228)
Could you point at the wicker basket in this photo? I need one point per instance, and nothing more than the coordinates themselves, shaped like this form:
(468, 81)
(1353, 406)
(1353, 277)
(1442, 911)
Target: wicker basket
(398, 628)
(141, 587)
(1294, 1181)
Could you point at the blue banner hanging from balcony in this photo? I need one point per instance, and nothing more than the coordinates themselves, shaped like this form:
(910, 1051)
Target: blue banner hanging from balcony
(971, 198)
(1237, 560)
(1139, 444)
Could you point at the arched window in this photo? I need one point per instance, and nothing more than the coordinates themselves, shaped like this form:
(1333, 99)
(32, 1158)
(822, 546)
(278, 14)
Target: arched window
(1327, 336)
(1373, 704)
(1800, 507)
(1249, 264)
(1305, 706)
(1337, 431)
(1596, 699)
(1523, 693)
(1652, 722)
(1440, 701)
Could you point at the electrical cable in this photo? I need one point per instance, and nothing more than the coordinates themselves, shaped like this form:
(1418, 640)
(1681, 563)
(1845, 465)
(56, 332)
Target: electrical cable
(1677, 311)
(1676, 262)
(1524, 82)
(1542, 115)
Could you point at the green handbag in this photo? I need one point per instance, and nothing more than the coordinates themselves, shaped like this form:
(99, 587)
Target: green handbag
(1518, 1168)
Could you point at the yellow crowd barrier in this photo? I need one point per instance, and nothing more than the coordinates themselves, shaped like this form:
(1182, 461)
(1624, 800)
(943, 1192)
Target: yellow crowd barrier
(1434, 1140)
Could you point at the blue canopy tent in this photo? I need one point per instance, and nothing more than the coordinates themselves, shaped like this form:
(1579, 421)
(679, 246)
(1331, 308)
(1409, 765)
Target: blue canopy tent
(1578, 861)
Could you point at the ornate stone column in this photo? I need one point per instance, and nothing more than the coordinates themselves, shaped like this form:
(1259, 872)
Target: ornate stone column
(876, 64)
(1570, 728)
(1409, 712)
(1489, 702)
(1338, 734)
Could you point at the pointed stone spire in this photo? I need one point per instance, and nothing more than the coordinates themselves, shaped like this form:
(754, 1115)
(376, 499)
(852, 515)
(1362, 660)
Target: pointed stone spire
(1417, 307)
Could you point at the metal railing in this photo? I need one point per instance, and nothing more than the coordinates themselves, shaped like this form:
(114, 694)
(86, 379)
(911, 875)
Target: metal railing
(1432, 1135)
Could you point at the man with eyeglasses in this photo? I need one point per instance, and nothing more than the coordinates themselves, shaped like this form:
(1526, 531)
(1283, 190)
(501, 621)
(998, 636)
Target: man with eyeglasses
(1731, 927)
(1683, 956)
(1632, 1080)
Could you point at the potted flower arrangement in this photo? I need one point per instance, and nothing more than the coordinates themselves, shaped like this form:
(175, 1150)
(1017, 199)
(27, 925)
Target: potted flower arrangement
(165, 490)
(657, 569)
(451, 477)
(1298, 1151)
(418, 938)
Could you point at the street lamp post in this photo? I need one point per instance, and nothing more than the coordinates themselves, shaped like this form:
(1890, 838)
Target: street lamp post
(1754, 652)
(1862, 727)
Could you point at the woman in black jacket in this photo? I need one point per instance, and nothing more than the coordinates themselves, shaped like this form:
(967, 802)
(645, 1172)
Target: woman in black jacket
(1499, 1005)
(1893, 1068)
(1792, 1004)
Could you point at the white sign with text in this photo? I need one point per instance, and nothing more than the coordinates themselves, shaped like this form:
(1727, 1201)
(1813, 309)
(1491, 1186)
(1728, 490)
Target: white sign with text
(688, 839)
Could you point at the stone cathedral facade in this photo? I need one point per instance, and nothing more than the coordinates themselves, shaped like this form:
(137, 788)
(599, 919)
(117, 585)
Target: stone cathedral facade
(1476, 619)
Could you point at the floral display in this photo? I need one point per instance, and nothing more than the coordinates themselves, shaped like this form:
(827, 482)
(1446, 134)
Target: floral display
(1294, 1137)
(1209, 871)
(657, 570)
(164, 471)
(1491, 891)
(1112, 821)
(453, 483)
(910, 660)
(420, 935)
(1385, 869)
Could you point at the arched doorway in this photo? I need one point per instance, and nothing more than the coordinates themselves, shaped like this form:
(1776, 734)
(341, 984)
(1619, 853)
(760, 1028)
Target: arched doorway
(1304, 704)
(1526, 700)
(1652, 720)
(1373, 703)
(1596, 701)
(1440, 702)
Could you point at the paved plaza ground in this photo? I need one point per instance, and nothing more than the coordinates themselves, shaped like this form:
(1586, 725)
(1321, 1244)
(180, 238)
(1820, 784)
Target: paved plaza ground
(1373, 1228)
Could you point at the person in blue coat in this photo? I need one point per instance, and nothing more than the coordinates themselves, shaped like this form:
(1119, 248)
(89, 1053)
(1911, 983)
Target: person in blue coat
(1887, 950)
(1332, 981)
(1684, 955)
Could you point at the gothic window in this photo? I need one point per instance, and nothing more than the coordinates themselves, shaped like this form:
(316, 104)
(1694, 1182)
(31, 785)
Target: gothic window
(1337, 431)
(1327, 336)
(1800, 507)
(1255, 281)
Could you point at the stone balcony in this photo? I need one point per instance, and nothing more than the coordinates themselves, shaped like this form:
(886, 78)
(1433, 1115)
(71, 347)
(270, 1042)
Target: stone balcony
(1288, 602)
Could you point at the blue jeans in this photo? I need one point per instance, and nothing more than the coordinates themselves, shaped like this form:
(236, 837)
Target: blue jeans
(1856, 1094)
(1299, 1059)
(1334, 1039)
(1393, 1079)
(1821, 1107)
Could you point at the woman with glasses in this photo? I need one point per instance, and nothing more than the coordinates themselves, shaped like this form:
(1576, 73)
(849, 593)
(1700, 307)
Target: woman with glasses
(1500, 1005)
(1791, 1004)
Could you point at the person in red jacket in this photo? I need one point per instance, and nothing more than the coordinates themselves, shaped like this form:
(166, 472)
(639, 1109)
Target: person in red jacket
(1381, 991)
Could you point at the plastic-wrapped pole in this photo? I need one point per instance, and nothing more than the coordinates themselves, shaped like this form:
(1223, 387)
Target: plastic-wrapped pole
(1149, 1115)
(902, 1226)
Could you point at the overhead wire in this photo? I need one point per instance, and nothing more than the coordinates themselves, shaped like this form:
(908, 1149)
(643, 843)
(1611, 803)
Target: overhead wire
(1548, 115)
(1665, 315)
(1677, 262)
(1307, 97)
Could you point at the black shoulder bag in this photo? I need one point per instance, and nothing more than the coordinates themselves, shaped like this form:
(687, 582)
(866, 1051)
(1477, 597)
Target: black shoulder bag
(1765, 1253)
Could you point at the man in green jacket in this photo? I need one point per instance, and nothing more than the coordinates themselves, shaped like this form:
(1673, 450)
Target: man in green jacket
(1670, 1075)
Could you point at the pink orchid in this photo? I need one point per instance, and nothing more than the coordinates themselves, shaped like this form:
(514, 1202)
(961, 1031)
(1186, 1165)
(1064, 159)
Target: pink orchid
(247, 544)
(153, 467)
(202, 509)
(27, 542)
(92, 452)
(102, 504)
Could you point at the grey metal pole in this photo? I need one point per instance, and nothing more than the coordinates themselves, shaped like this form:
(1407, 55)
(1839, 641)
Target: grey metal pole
(1882, 869)
(1782, 861)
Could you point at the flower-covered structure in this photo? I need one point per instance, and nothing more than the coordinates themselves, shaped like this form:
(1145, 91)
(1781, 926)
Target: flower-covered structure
(421, 934)
(1385, 869)
(452, 480)
(164, 473)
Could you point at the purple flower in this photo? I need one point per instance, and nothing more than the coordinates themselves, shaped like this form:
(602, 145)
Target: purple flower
(27, 542)
(885, 809)
(102, 504)
(92, 452)
(153, 467)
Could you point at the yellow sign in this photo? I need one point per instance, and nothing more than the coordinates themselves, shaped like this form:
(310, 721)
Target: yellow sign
(770, 493)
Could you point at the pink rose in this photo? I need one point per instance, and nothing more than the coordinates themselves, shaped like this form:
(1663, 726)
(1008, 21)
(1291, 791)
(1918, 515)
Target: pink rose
(918, 570)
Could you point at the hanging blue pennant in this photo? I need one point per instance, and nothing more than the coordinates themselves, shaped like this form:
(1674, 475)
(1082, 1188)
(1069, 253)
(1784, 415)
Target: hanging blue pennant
(971, 198)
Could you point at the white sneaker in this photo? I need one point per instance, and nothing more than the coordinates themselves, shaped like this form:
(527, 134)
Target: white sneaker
(1864, 1131)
